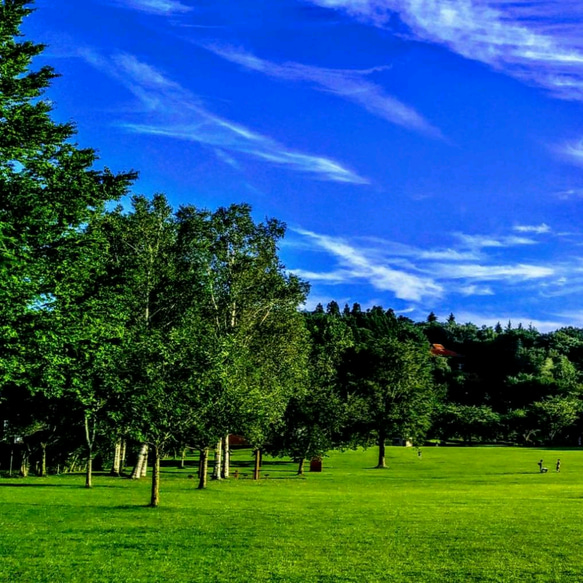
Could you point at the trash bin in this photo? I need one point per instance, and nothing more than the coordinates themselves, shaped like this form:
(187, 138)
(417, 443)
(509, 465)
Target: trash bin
(316, 464)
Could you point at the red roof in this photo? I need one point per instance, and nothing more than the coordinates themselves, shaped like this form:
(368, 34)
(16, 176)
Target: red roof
(440, 350)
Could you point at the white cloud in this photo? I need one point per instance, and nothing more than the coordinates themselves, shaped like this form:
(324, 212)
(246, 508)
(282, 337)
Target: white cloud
(167, 109)
(229, 160)
(538, 42)
(358, 264)
(331, 277)
(569, 194)
(448, 255)
(574, 318)
(537, 229)
(482, 241)
(427, 275)
(348, 84)
(572, 151)
(386, 248)
(492, 272)
(163, 7)
(476, 290)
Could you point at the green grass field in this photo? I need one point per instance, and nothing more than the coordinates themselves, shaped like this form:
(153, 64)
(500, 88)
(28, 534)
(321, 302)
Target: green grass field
(456, 514)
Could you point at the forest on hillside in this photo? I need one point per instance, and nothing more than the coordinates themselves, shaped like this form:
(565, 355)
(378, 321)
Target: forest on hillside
(134, 326)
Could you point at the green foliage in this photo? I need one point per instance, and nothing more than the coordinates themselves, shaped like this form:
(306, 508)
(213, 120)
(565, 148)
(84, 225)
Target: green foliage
(468, 422)
(315, 418)
(50, 193)
(250, 304)
(387, 379)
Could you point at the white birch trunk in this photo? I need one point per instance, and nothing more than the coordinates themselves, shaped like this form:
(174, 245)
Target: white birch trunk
(138, 468)
(218, 461)
(204, 456)
(226, 457)
(145, 464)
(122, 455)
(115, 468)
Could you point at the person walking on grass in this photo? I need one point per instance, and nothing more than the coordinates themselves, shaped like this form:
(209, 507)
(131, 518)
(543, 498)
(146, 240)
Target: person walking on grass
(542, 468)
(558, 468)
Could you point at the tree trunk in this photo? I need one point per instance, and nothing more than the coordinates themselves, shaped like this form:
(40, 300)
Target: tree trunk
(90, 438)
(204, 456)
(144, 472)
(257, 468)
(155, 498)
(226, 457)
(218, 460)
(182, 459)
(115, 467)
(25, 463)
(137, 471)
(43, 461)
(301, 466)
(122, 455)
(382, 463)
(89, 469)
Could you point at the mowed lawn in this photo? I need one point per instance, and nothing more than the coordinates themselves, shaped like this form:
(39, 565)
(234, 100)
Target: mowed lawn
(456, 514)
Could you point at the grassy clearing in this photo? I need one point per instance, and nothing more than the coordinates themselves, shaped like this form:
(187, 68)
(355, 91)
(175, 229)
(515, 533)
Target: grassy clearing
(457, 514)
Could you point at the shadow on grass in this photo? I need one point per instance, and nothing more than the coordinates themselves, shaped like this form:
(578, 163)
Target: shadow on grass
(170, 463)
(134, 507)
(52, 485)
(264, 478)
(16, 485)
(251, 463)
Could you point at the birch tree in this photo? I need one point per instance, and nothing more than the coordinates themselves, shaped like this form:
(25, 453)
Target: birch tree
(251, 303)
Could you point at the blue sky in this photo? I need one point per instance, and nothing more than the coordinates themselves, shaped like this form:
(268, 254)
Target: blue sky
(426, 155)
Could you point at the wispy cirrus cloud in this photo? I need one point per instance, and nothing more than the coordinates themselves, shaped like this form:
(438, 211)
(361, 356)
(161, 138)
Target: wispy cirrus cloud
(351, 85)
(357, 264)
(536, 229)
(161, 7)
(482, 241)
(570, 194)
(538, 42)
(571, 151)
(168, 109)
(428, 275)
(512, 273)
(476, 290)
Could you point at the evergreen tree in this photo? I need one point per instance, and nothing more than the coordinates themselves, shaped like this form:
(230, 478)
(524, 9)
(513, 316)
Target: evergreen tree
(49, 191)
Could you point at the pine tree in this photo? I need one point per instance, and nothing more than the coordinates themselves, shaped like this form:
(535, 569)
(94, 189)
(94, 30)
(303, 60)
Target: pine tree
(49, 194)
(48, 187)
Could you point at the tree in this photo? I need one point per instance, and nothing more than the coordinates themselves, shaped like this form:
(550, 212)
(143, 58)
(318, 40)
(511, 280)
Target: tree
(143, 272)
(50, 193)
(467, 422)
(556, 413)
(251, 304)
(387, 376)
(314, 418)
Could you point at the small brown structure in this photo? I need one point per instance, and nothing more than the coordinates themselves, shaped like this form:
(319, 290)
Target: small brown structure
(236, 441)
(316, 464)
